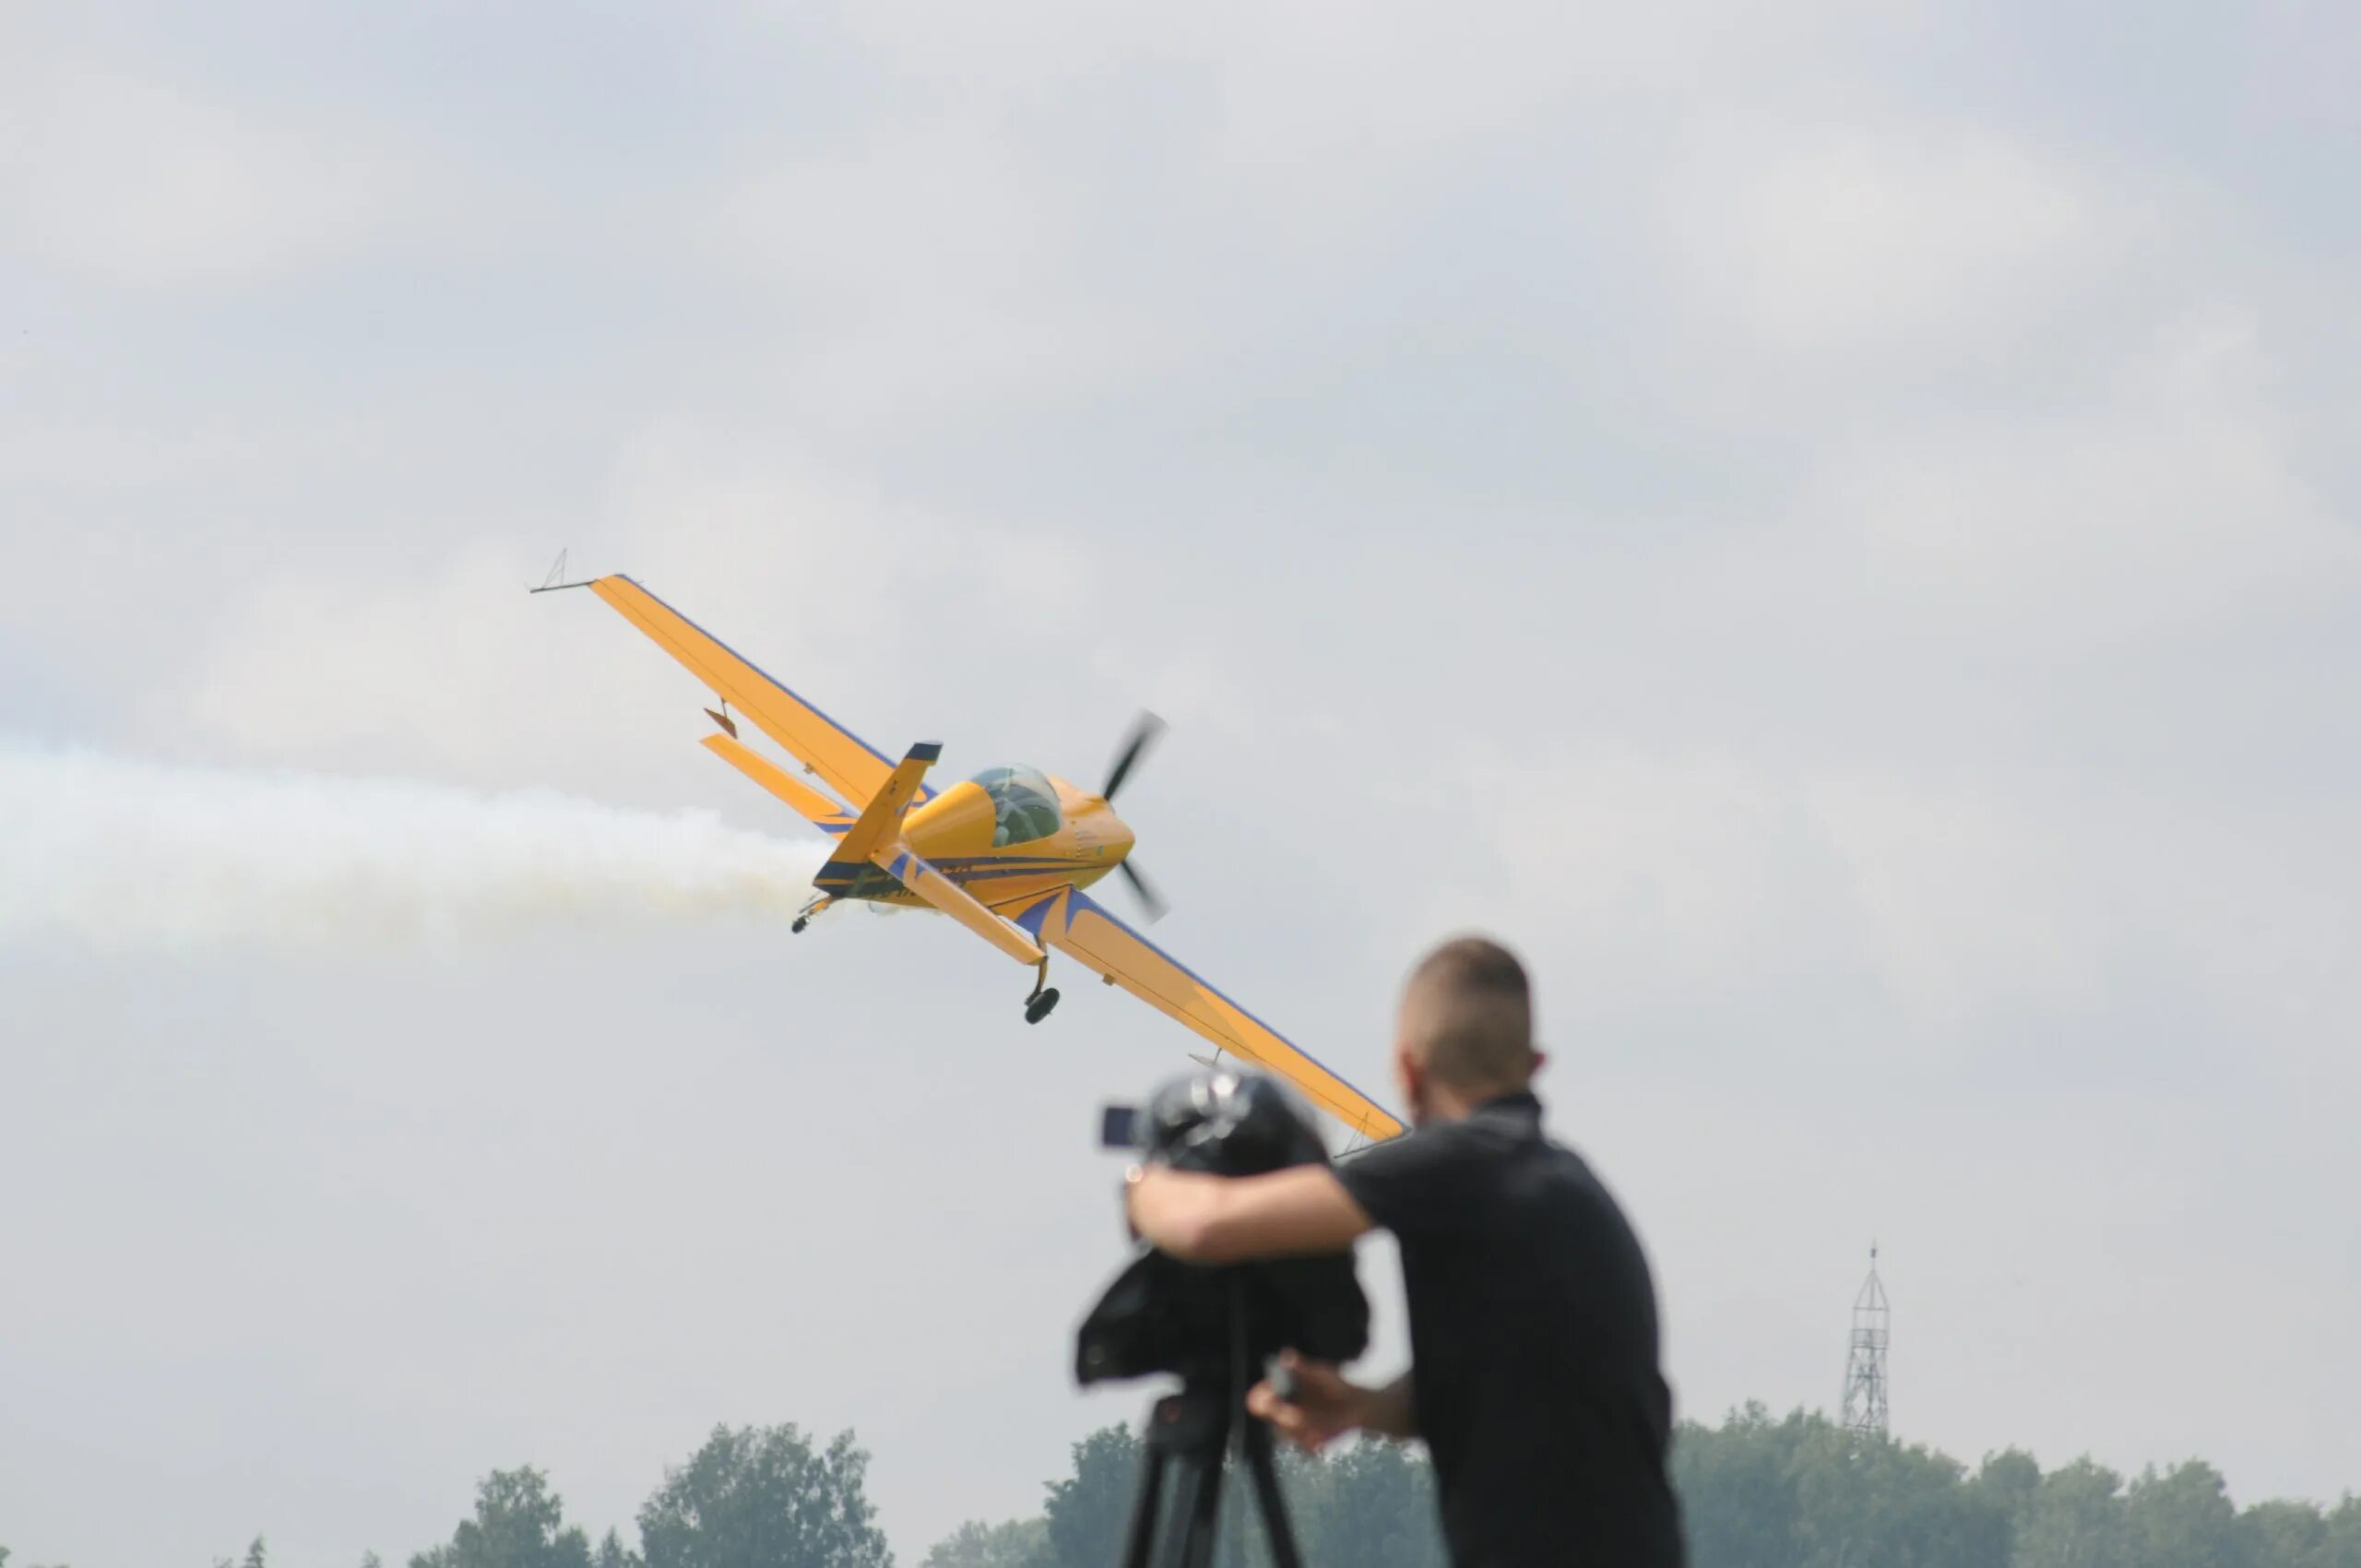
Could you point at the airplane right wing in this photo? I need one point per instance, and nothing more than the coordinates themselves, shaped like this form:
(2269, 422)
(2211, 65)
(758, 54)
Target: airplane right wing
(850, 766)
(1072, 922)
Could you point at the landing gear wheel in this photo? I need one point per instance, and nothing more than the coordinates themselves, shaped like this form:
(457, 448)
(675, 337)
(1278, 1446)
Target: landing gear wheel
(1038, 1008)
(801, 922)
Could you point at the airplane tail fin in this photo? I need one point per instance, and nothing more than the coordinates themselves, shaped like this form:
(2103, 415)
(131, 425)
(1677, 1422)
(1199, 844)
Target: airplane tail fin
(873, 854)
(880, 823)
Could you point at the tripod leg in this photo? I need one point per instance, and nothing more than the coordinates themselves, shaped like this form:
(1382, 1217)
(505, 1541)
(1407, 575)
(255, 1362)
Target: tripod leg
(1266, 1490)
(1141, 1535)
(1186, 1438)
(1188, 1539)
(1205, 1511)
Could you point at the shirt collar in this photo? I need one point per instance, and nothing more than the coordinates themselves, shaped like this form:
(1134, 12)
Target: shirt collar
(1523, 1102)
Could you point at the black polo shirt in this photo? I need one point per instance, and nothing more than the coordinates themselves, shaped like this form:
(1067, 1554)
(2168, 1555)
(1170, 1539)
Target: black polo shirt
(1533, 1327)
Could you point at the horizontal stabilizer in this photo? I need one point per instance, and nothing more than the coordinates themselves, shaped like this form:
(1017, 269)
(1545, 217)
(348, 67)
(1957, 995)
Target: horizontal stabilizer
(957, 902)
(815, 806)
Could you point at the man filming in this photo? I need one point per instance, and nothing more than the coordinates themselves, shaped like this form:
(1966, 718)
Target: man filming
(1534, 1379)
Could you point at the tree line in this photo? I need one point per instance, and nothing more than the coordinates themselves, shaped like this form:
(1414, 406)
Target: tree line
(1796, 1491)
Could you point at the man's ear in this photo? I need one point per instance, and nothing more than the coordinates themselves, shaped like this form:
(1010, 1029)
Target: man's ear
(1540, 1060)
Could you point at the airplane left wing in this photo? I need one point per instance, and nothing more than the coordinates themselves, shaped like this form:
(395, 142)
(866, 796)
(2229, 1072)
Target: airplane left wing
(852, 767)
(1070, 921)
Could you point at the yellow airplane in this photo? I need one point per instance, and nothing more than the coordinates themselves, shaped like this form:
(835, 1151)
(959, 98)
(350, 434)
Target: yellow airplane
(1007, 854)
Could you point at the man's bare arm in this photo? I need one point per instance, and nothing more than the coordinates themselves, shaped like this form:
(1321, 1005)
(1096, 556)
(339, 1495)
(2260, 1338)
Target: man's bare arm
(1301, 1211)
(1388, 1411)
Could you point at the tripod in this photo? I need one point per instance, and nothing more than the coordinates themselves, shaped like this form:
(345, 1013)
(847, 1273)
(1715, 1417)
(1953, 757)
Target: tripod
(1189, 1435)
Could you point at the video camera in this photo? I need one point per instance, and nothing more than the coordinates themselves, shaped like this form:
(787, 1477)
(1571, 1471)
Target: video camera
(1213, 1323)
(1213, 1326)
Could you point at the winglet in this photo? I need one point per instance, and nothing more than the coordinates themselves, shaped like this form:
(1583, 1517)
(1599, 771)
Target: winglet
(551, 583)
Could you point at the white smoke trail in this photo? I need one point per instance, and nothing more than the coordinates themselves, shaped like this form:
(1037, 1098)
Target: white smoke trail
(123, 854)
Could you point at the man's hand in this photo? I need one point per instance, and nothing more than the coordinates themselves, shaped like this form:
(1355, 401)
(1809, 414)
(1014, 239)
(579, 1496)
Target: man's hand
(1323, 1408)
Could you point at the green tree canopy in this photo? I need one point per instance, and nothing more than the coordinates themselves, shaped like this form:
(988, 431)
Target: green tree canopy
(2290, 1534)
(2341, 1536)
(1088, 1511)
(611, 1554)
(763, 1497)
(1800, 1492)
(2184, 1519)
(1371, 1504)
(1018, 1543)
(1738, 1489)
(2076, 1521)
(1889, 1503)
(518, 1523)
(2008, 1481)
(1794, 1491)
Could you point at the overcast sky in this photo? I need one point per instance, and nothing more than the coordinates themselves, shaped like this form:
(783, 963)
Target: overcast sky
(1831, 527)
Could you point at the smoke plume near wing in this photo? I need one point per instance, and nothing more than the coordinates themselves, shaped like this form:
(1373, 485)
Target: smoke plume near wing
(117, 853)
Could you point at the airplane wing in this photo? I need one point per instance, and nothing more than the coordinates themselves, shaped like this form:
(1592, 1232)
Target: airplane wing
(1072, 922)
(850, 766)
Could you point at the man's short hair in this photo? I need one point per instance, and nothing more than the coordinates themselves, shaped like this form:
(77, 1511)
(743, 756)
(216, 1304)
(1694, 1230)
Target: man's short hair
(1467, 1016)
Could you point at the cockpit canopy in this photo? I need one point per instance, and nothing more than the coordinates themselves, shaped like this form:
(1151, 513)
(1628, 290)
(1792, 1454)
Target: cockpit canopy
(1024, 806)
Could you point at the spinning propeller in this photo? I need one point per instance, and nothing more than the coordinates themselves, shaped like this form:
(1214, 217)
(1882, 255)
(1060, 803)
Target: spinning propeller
(1144, 730)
